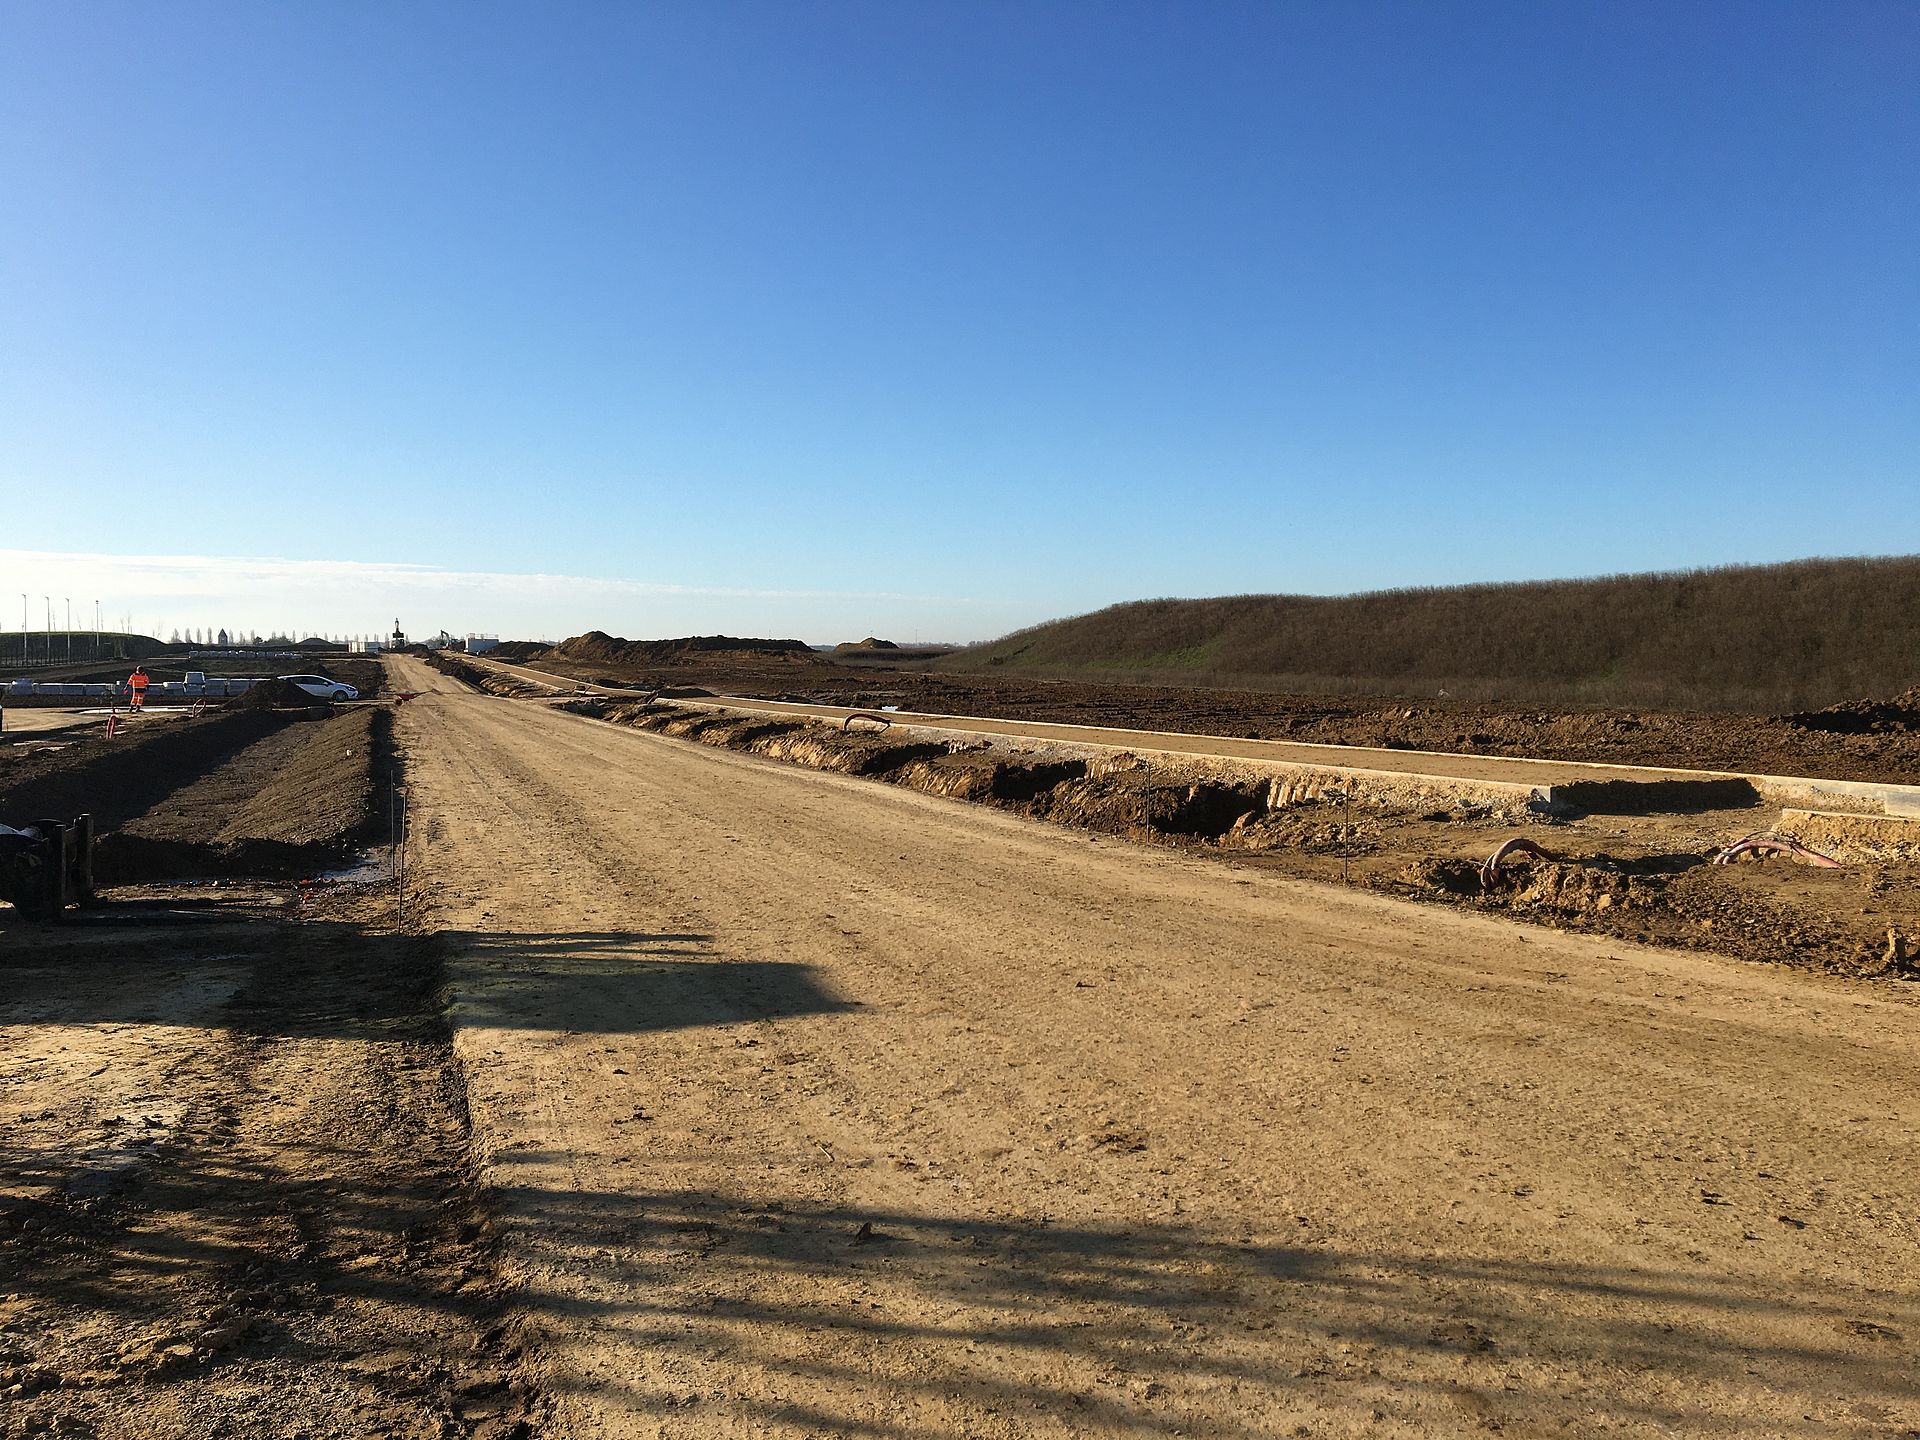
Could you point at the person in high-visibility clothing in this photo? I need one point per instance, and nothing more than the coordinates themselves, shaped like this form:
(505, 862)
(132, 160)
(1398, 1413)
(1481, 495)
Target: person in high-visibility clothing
(137, 683)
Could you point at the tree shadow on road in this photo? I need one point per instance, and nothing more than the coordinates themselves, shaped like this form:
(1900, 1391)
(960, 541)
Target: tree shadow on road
(777, 1312)
(796, 1318)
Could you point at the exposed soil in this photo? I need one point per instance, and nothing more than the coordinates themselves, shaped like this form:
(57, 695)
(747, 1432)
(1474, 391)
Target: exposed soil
(118, 779)
(234, 1190)
(273, 694)
(681, 1094)
(1900, 715)
(1740, 743)
(300, 800)
(819, 1107)
(1641, 877)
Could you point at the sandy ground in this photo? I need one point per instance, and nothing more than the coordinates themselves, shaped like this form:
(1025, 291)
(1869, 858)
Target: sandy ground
(21, 720)
(234, 1201)
(817, 1107)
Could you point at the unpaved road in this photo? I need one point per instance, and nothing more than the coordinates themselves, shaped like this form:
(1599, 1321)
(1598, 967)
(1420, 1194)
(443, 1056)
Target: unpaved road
(819, 1107)
(233, 1192)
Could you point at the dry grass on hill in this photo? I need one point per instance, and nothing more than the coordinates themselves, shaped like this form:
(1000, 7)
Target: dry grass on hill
(1761, 639)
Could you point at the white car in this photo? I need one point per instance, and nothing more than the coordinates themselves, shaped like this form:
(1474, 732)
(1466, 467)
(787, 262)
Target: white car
(322, 688)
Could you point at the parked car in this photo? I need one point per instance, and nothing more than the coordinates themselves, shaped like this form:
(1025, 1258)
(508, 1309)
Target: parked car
(323, 688)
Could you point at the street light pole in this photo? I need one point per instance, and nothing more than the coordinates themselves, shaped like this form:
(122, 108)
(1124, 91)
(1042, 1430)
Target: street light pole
(69, 600)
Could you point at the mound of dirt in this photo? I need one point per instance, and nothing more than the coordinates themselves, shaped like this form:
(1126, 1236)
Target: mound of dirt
(518, 651)
(115, 780)
(1897, 716)
(596, 647)
(299, 799)
(1449, 877)
(273, 695)
(848, 647)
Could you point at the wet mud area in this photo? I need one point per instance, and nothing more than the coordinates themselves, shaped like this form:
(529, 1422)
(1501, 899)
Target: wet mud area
(234, 1192)
(1646, 877)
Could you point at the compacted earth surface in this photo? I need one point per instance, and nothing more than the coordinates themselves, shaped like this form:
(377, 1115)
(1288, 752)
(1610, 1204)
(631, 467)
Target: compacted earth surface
(680, 1089)
(1633, 858)
(234, 1188)
(817, 1106)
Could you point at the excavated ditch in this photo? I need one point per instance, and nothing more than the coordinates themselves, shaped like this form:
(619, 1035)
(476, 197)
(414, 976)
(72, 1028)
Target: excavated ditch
(1118, 795)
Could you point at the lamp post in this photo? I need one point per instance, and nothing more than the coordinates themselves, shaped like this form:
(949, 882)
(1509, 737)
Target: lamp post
(23, 629)
(49, 600)
(69, 600)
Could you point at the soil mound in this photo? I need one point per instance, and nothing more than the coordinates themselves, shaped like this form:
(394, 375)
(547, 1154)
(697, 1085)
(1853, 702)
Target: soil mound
(299, 799)
(849, 647)
(517, 651)
(596, 647)
(273, 695)
(115, 780)
(1451, 877)
(1865, 717)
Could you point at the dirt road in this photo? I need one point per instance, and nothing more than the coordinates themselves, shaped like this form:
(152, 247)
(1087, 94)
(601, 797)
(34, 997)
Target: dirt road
(820, 1107)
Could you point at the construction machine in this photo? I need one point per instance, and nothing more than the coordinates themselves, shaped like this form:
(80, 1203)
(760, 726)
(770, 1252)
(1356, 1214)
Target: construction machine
(47, 866)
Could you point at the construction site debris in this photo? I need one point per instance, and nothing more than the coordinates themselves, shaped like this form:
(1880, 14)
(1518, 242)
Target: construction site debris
(274, 694)
(1765, 842)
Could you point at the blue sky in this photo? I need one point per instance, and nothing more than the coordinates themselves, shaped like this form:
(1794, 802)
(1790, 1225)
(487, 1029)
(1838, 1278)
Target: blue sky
(832, 319)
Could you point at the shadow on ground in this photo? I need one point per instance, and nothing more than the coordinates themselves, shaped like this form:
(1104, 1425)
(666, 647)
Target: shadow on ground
(851, 1320)
(600, 981)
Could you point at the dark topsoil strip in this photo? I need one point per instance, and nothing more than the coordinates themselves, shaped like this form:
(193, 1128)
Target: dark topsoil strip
(116, 780)
(1837, 744)
(299, 800)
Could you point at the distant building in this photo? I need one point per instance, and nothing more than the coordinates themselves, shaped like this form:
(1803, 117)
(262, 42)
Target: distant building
(480, 644)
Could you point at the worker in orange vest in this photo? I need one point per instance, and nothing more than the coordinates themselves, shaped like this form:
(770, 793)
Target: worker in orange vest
(137, 682)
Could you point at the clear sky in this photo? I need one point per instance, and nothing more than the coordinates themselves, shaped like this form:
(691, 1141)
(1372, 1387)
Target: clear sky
(826, 319)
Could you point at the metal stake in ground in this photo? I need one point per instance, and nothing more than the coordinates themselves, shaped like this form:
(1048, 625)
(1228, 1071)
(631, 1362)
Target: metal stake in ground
(1346, 831)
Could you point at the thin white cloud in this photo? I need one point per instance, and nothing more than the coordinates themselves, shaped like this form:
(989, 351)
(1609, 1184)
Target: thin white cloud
(196, 574)
(266, 593)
